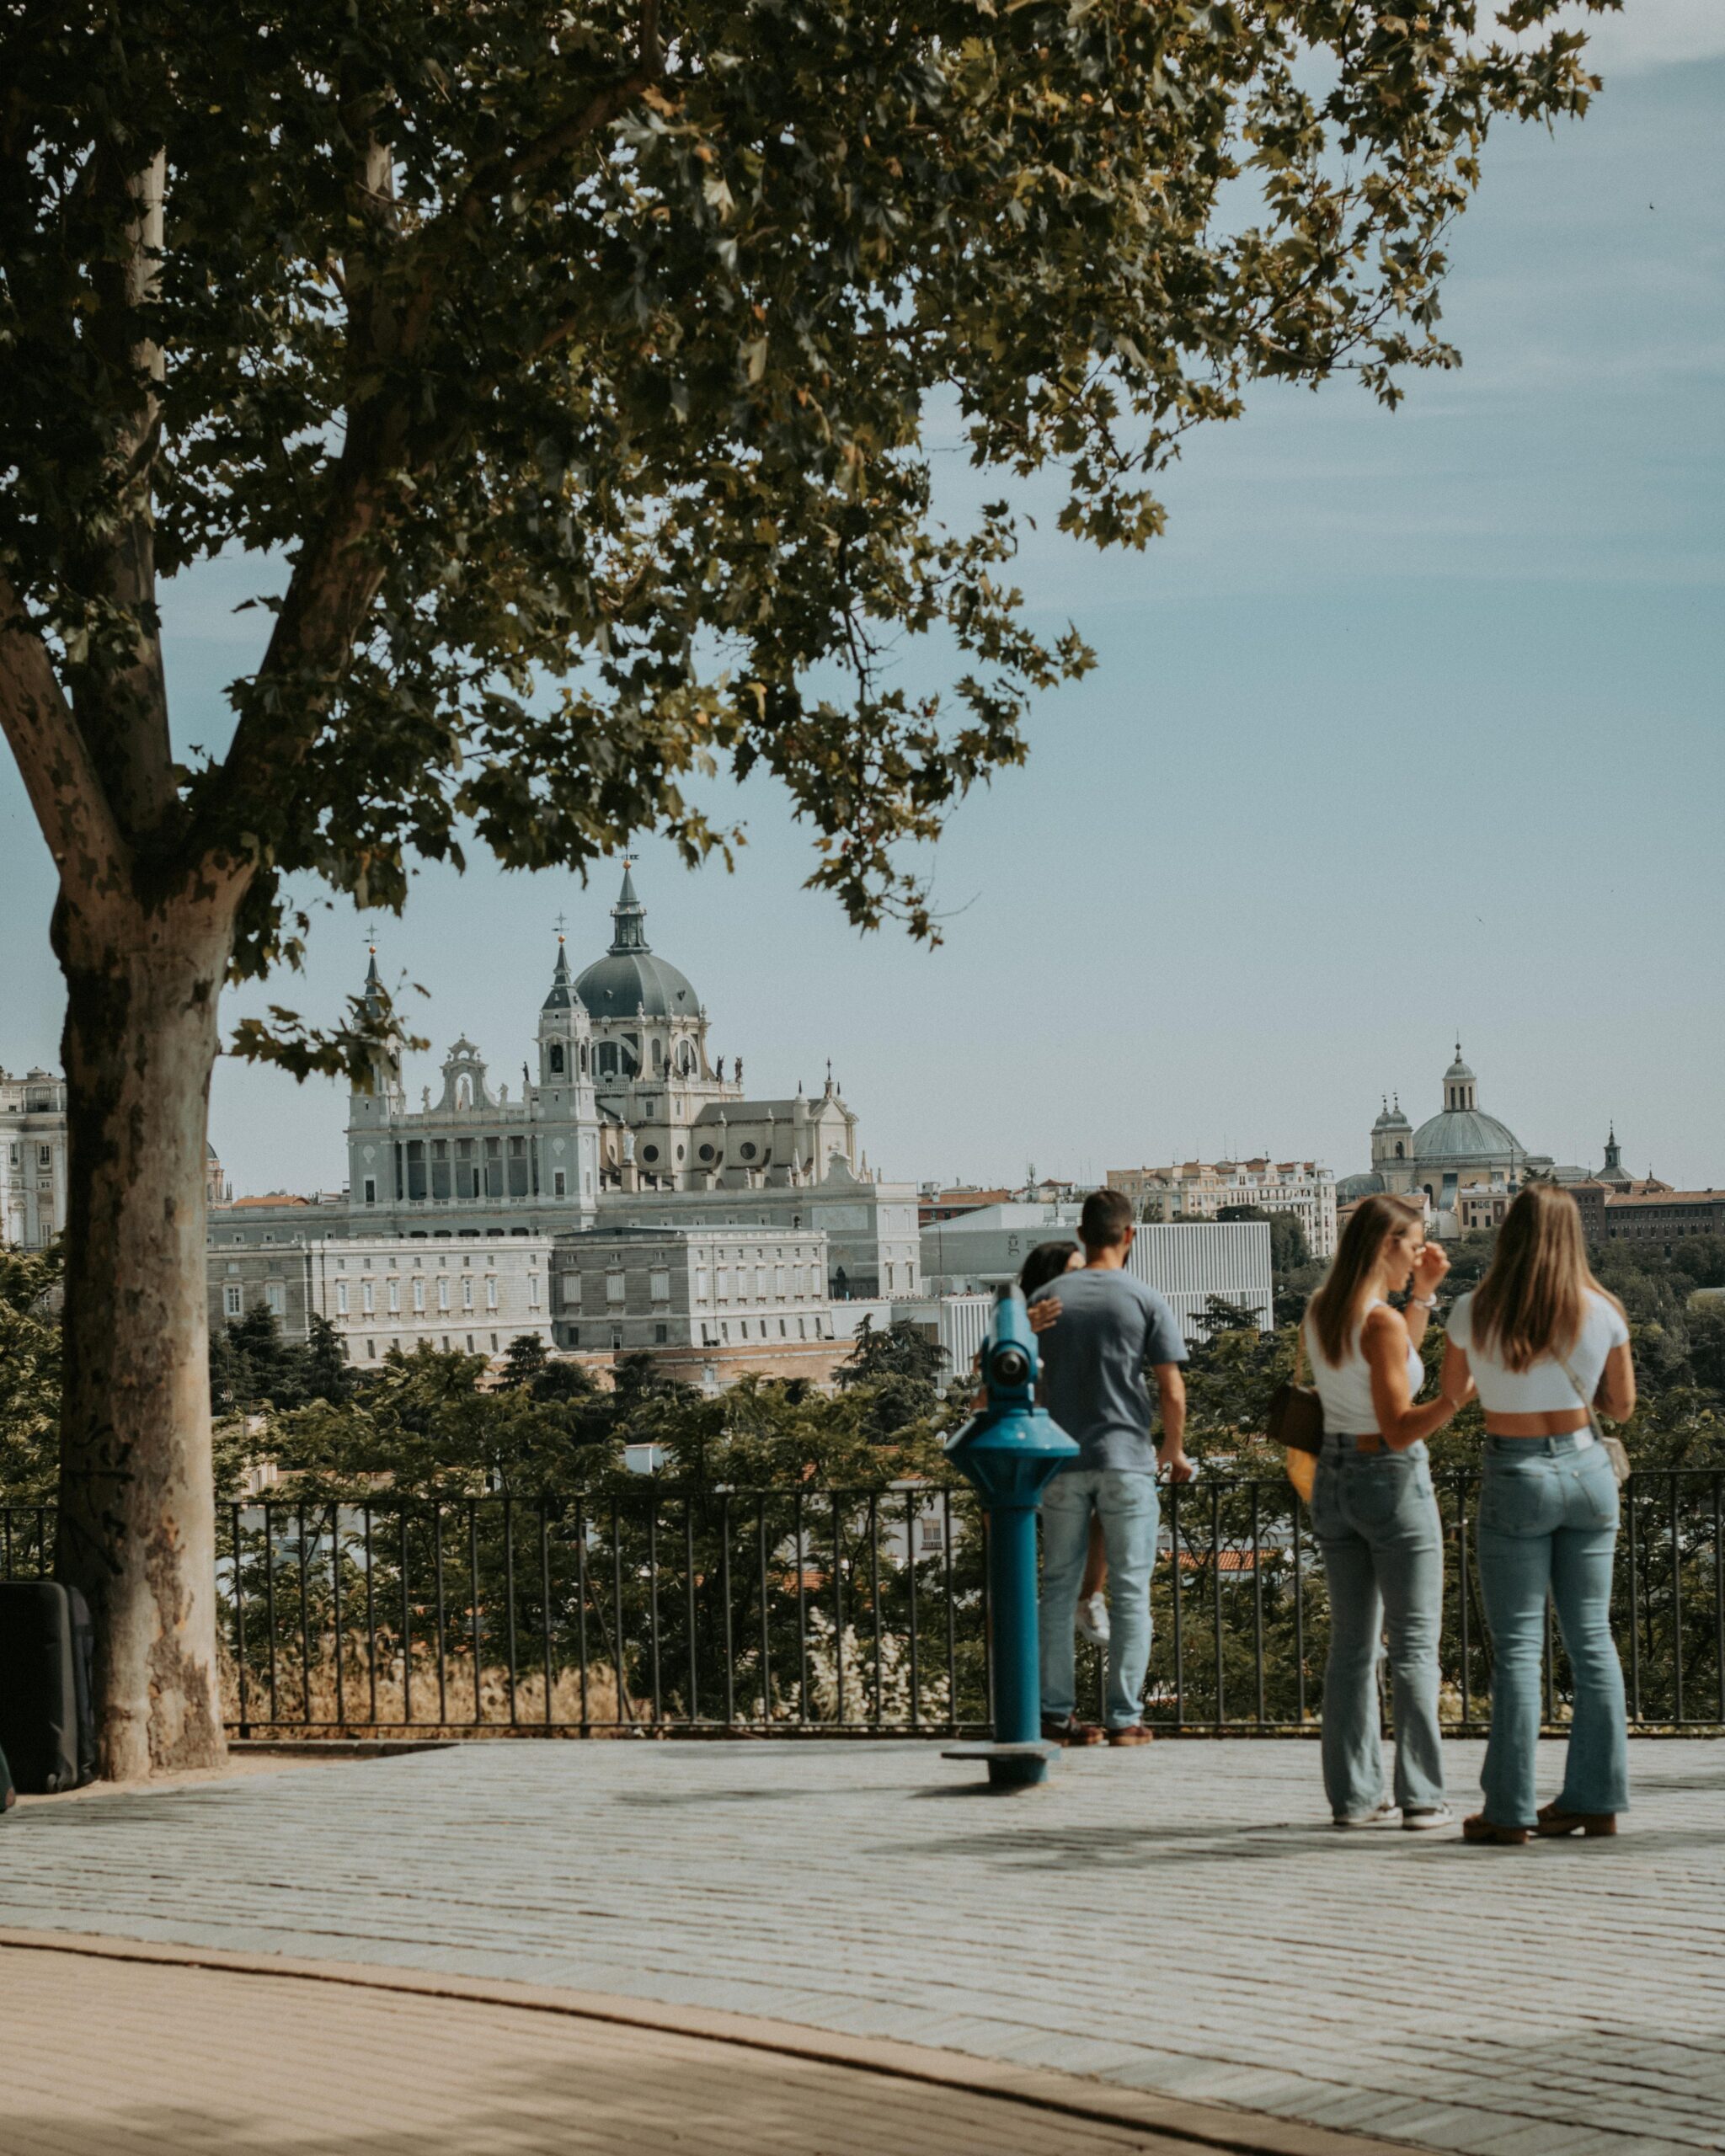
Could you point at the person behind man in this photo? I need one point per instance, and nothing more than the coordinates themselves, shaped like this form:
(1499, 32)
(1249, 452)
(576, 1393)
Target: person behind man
(1105, 1330)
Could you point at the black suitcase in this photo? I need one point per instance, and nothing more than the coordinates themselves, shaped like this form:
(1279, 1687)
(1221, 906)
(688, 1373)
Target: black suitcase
(47, 1727)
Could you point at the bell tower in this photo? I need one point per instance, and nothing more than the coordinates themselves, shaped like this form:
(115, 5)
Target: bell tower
(565, 1031)
(563, 1105)
(376, 1103)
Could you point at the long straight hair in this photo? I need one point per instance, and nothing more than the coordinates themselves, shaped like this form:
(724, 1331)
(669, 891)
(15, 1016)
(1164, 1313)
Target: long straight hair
(1335, 1308)
(1046, 1262)
(1533, 1300)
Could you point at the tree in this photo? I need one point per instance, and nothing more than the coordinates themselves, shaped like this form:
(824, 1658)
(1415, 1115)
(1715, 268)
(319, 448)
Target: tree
(592, 347)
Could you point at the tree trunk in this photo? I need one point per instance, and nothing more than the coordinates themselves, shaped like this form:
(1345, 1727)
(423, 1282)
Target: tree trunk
(137, 1511)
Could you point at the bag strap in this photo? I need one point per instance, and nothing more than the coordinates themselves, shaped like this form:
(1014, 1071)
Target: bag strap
(1301, 1364)
(1592, 1419)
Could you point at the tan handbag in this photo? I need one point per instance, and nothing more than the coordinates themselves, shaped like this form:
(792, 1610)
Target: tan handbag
(1296, 1421)
(1615, 1449)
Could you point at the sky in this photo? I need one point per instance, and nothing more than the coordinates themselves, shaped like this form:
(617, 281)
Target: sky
(1411, 728)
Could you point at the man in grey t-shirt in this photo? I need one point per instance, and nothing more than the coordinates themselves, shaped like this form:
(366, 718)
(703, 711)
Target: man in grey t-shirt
(1101, 1331)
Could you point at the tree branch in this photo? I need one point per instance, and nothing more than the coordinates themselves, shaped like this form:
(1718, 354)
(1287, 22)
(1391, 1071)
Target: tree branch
(59, 776)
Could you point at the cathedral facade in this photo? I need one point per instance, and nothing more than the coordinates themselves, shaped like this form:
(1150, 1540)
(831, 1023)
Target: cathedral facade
(625, 1102)
(1458, 1149)
(624, 1119)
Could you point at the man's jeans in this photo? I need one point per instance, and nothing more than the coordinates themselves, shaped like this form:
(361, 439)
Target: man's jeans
(1548, 1520)
(1375, 1520)
(1126, 1504)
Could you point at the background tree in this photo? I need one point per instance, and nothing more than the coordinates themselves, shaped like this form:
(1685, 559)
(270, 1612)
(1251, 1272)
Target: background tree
(592, 346)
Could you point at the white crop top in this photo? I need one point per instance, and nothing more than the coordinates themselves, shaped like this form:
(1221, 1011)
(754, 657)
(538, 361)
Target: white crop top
(1543, 1389)
(1345, 1390)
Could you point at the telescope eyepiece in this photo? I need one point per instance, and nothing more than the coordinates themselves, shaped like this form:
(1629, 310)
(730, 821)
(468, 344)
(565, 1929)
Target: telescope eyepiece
(1012, 1366)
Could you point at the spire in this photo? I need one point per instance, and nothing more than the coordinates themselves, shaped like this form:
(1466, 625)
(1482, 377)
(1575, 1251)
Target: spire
(375, 998)
(630, 916)
(563, 992)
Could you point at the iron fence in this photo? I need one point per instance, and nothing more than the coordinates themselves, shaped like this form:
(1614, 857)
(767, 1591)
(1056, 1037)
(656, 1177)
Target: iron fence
(663, 1610)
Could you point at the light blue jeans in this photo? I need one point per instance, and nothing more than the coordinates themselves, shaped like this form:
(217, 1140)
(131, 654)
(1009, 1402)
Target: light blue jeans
(1127, 1505)
(1548, 1522)
(1375, 1519)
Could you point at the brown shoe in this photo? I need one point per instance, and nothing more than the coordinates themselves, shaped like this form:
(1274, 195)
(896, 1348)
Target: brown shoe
(1479, 1828)
(1071, 1730)
(1554, 1820)
(1134, 1733)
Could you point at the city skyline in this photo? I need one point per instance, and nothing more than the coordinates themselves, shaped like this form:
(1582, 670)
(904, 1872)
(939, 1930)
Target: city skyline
(1410, 725)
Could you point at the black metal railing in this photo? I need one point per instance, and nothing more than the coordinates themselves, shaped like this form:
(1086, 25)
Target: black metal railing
(862, 1612)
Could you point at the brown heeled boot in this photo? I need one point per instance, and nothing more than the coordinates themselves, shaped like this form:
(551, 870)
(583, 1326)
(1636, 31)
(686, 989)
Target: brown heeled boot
(1479, 1828)
(1554, 1820)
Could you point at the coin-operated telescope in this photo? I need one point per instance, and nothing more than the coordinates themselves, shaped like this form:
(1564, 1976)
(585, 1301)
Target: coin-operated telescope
(1008, 1452)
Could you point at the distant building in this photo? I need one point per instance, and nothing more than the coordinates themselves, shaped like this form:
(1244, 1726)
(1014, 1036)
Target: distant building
(625, 1119)
(1662, 1219)
(1189, 1262)
(388, 1292)
(32, 1159)
(217, 1189)
(1459, 1146)
(621, 1290)
(1199, 1190)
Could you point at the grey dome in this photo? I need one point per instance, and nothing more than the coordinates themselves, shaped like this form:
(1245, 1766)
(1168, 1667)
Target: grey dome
(624, 982)
(1465, 1134)
(628, 978)
(1352, 1187)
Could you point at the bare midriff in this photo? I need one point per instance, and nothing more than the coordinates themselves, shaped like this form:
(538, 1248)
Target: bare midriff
(1556, 1423)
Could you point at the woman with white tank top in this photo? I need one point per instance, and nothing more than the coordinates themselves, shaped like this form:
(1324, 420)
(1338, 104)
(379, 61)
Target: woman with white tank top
(1540, 1338)
(1375, 1517)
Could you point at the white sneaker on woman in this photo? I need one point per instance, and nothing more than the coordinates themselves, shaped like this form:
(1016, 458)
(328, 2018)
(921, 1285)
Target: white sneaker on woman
(1093, 1620)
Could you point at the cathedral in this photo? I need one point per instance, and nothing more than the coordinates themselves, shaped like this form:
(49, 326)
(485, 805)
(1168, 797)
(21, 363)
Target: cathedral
(1458, 1149)
(625, 1100)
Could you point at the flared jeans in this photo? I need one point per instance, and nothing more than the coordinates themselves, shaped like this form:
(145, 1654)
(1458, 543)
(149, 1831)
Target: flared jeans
(1548, 1524)
(1375, 1517)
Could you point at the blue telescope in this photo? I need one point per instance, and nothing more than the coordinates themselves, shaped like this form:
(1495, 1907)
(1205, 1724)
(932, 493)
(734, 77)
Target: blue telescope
(1008, 1452)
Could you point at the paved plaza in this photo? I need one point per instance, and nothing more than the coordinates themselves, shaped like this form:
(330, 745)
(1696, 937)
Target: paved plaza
(1179, 1920)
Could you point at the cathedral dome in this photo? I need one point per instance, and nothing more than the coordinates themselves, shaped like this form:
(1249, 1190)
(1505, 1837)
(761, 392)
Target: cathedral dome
(629, 978)
(1465, 1134)
(623, 983)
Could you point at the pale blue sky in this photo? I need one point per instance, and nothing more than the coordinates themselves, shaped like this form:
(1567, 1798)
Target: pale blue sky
(1414, 723)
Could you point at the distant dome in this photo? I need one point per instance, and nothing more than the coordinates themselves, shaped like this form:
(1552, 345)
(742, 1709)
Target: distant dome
(629, 978)
(1465, 1134)
(209, 1153)
(623, 983)
(1352, 1187)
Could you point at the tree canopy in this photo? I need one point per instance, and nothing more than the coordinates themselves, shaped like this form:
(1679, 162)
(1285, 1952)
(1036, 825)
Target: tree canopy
(601, 348)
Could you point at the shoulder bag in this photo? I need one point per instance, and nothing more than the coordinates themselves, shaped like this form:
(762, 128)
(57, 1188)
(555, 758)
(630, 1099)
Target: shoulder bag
(1615, 1449)
(1296, 1421)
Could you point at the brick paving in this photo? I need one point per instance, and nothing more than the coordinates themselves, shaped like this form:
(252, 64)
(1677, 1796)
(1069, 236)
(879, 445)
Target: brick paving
(1180, 1918)
(205, 2063)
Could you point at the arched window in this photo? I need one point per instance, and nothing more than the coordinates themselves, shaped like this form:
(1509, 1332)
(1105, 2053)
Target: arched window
(583, 1055)
(556, 1058)
(1401, 1150)
(607, 1058)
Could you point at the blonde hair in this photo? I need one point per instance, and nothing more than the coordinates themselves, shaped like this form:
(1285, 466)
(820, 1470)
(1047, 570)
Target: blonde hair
(1335, 1308)
(1533, 1300)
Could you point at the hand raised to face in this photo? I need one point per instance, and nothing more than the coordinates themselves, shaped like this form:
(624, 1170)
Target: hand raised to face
(1430, 1268)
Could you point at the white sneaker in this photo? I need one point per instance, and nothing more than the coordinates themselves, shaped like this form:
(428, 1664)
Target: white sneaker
(1381, 1815)
(1093, 1620)
(1421, 1818)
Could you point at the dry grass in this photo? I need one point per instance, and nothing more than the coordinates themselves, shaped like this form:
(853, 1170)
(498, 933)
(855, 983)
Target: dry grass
(320, 1708)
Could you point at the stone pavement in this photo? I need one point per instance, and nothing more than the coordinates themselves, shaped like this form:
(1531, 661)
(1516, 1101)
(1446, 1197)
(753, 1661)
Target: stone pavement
(1180, 1918)
(107, 2058)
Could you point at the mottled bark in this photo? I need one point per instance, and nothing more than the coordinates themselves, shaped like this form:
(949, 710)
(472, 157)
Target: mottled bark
(137, 1504)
